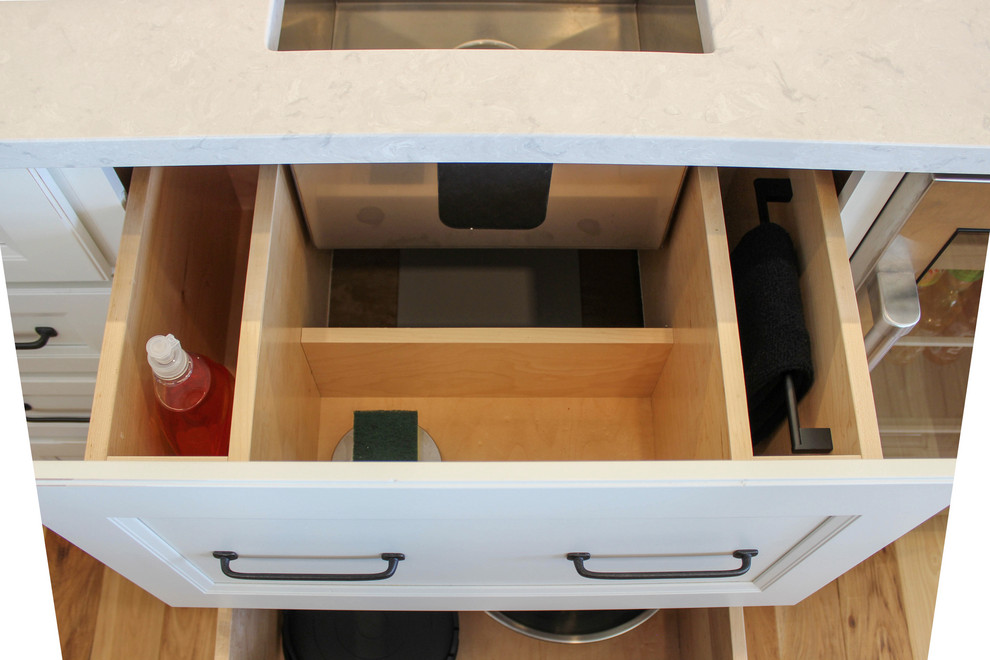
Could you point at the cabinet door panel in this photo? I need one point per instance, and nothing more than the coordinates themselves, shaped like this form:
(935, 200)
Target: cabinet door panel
(41, 237)
(487, 536)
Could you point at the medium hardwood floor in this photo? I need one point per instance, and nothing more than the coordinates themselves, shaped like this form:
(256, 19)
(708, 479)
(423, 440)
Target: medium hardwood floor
(102, 616)
(882, 609)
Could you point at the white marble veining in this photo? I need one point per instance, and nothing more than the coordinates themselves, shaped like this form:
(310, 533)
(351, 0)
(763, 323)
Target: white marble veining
(848, 84)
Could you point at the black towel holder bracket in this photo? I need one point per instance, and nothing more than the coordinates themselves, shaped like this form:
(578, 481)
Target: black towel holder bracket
(803, 440)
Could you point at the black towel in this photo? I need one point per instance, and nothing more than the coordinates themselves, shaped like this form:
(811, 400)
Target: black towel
(772, 331)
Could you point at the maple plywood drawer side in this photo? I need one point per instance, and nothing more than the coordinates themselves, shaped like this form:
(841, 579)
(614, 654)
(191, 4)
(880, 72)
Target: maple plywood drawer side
(631, 445)
(181, 270)
(841, 397)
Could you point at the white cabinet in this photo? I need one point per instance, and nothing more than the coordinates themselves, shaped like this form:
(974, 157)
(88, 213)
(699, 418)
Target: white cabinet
(58, 235)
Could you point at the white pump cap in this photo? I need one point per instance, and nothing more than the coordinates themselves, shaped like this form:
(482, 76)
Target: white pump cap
(166, 357)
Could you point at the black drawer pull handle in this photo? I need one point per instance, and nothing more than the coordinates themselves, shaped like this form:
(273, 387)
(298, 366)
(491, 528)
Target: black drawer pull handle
(59, 420)
(746, 556)
(44, 334)
(70, 419)
(393, 559)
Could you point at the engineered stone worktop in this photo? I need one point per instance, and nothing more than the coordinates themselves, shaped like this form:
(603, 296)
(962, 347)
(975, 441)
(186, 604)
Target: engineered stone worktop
(844, 84)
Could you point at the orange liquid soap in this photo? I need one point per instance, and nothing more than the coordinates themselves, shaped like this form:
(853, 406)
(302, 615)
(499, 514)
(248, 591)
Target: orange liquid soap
(194, 395)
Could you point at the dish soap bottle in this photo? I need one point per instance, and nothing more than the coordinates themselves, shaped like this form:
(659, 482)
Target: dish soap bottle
(195, 396)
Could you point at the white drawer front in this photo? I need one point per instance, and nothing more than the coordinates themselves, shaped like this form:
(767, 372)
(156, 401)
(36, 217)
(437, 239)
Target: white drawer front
(58, 440)
(78, 315)
(48, 395)
(490, 536)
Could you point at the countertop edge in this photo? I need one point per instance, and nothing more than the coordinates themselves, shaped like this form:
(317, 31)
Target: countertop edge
(600, 149)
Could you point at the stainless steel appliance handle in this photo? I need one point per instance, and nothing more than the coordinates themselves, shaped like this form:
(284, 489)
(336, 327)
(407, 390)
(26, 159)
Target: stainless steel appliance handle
(893, 300)
(887, 226)
(891, 220)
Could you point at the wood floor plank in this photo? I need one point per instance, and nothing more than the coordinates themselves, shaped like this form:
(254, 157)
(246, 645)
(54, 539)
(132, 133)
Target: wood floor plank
(813, 628)
(881, 609)
(919, 560)
(244, 634)
(75, 578)
(101, 615)
(708, 634)
(188, 633)
(762, 636)
(873, 611)
(694, 630)
(129, 623)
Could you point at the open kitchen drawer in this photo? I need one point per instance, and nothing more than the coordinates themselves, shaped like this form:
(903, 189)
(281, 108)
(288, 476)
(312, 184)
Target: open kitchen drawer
(630, 444)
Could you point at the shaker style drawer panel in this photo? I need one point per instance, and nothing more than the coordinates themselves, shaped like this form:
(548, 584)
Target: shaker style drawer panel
(61, 394)
(630, 444)
(500, 539)
(482, 551)
(63, 441)
(78, 315)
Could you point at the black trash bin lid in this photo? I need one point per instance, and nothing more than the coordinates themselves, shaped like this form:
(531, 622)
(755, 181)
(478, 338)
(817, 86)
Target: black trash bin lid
(332, 635)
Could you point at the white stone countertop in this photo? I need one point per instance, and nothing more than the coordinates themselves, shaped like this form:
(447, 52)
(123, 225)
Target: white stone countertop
(844, 84)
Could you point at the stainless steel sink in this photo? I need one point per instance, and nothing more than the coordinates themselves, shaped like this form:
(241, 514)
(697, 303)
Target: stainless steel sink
(650, 25)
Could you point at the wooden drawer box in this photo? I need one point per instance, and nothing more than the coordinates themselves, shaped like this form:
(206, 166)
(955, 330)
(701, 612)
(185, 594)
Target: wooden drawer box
(631, 444)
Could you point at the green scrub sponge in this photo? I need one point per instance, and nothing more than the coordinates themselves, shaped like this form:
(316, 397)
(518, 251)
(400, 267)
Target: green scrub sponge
(386, 435)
